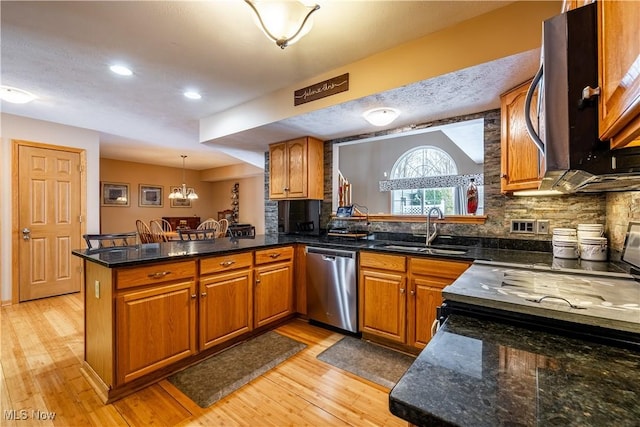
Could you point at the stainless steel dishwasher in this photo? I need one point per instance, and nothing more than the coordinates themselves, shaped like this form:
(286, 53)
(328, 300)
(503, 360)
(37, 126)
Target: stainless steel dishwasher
(332, 291)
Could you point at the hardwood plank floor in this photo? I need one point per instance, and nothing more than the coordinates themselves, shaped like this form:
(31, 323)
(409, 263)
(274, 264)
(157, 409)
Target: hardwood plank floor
(42, 350)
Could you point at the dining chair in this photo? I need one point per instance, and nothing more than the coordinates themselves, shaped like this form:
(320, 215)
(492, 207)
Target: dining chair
(157, 231)
(110, 240)
(204, 234)
(210, 224)
(144, 232)
(165, 225)
(224, 227)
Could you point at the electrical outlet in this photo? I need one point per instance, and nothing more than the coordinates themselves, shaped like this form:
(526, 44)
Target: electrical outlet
(97, 289)
(542, 226)
(523, 226)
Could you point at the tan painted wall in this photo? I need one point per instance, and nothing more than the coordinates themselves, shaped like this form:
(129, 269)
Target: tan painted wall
(213, 196)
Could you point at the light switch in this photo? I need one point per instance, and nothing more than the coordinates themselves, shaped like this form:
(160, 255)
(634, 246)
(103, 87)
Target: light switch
(97, 289)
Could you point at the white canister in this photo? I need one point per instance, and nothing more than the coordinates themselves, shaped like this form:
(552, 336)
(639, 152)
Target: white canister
(590, 230)
(593, 248)
(570, 232)
(565, 247)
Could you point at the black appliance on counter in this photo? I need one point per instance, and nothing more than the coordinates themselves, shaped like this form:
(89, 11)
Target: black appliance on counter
(299, 217)
(567, 134)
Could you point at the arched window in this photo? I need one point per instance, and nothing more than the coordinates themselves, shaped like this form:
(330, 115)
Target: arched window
(422, 162)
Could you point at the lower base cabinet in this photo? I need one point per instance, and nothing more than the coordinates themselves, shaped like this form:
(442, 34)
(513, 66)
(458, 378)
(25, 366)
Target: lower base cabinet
(273, 291)
(155, 327)
(399, 295)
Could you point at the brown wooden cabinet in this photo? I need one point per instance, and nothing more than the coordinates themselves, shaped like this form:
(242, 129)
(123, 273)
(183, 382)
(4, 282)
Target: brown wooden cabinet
(382, 296)
(399, 296)
(619, 79)
(427, 278)
(155, 320)
(522, 166)
(296, 169)
(273, 291)
(226, 298)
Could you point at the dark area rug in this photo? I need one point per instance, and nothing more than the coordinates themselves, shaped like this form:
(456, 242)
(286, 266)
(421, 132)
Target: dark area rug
(376, 363)
(217, 376)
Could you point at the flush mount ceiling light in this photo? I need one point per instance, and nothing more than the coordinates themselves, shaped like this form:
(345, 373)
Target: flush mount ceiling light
(192, 94)
(15, 95)
(183, 192)
(284, 22)
(121, 70)
(381, 116)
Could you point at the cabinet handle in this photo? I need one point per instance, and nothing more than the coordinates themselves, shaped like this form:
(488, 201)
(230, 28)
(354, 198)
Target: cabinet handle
(402, 290)
(276, 255)
(158, 275)
(504, 175)
(413, 293)
(227, 263)
(204, 294)
(194, 296)
(257, 281)
(285, 189)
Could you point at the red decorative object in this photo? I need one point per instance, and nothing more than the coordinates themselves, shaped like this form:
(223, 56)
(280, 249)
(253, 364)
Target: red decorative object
(472, 198)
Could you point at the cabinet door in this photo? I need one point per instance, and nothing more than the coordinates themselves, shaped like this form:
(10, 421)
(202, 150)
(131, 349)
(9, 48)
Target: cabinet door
(297, 184)
(278, 171)
(273, 293)
(425, 296)
(383, 304)
(619, 62)
(154, 327)
(226, 307)
(521, 163)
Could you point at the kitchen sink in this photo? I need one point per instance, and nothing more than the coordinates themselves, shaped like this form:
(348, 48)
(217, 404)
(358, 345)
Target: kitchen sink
(423, 249)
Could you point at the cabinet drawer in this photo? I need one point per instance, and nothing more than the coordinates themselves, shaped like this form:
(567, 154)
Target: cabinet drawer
(438, 267)
(157, 273)
(384, 262)
(225, 262)
(274, 254)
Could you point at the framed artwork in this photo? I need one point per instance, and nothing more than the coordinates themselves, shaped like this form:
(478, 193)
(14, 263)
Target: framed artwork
(115, 194)
(180, 203)
(150, 196)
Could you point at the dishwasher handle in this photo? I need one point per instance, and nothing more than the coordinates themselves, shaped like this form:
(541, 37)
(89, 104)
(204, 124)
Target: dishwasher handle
(330, 253)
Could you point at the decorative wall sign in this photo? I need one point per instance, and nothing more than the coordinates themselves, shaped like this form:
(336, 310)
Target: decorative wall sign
(150, 196)
(115, 194)
(321, 90)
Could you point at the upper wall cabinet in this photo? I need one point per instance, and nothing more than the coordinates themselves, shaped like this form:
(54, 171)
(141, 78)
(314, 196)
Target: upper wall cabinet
(296, 169)
(574, 4)
(521, 164)
(619, 73)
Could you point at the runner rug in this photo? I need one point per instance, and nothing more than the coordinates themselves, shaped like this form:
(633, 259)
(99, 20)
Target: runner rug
(367, 360)
(219, 375)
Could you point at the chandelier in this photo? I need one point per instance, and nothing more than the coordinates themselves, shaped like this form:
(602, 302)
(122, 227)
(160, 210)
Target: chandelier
(183, 192)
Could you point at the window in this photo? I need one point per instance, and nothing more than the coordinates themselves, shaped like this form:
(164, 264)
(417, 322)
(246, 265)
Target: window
(422, 162)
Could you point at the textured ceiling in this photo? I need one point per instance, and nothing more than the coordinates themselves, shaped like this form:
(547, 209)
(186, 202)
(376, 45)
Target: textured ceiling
(61, 52)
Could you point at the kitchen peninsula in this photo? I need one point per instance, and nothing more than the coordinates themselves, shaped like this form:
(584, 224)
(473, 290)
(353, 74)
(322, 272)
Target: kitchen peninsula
(147, 306)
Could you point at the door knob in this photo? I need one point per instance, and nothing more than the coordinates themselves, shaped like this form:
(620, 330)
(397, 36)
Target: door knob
(26, 234)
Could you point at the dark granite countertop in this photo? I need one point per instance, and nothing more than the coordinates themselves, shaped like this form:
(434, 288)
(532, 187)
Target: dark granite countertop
(486, 373)
(178, 250)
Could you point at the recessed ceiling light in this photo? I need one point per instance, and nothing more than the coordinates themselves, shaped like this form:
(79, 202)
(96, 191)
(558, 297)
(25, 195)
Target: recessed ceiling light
(121, 70)
(15, 95)
(381, 116)
(192, 95)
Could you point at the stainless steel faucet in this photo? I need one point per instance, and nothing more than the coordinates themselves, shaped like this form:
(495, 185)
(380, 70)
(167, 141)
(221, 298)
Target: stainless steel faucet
(431, 237)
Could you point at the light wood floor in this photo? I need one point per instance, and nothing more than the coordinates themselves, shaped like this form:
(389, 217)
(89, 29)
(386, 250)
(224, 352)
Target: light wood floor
(42, 348)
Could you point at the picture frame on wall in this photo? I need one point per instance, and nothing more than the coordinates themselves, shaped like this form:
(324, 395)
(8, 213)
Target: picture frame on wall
(150, 196)
(180, 203)
(115, 194)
